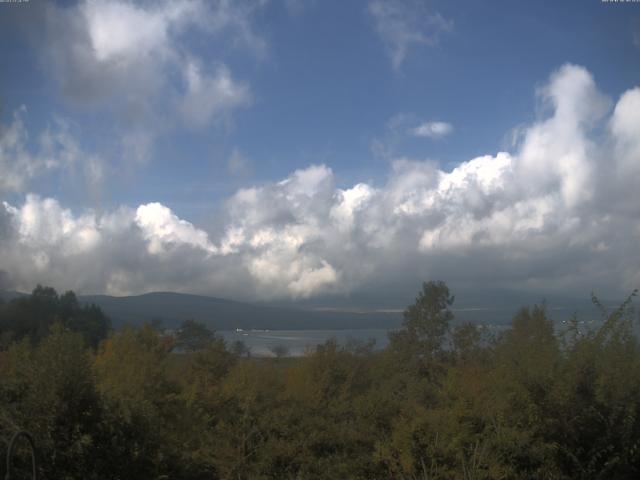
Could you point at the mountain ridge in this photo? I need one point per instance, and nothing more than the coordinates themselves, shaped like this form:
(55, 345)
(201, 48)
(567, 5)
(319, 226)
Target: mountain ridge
(171, 308)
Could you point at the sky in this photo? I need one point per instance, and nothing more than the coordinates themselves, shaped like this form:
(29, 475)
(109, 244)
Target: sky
(292, 150)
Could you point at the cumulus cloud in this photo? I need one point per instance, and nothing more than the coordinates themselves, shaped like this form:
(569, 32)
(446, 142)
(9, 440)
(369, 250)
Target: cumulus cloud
(625, 127)
(403, 24)
(117, 252)
(163, 230)
(102, 50)
(558, 213)
(432, 130)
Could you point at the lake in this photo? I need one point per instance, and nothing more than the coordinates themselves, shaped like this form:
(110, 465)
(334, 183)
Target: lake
(297, 341)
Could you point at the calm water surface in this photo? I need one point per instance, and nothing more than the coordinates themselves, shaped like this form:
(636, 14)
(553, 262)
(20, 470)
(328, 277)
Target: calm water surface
(297, 341)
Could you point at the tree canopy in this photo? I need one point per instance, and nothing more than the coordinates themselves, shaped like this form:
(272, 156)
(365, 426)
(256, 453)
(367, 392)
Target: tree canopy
(33, 316)
(442, 401)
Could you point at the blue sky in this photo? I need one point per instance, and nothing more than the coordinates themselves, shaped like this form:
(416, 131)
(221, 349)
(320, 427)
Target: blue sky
(186, 105)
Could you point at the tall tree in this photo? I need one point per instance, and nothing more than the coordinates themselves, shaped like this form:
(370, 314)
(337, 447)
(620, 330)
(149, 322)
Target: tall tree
(33, 316)
(425, 325)
(193, 336)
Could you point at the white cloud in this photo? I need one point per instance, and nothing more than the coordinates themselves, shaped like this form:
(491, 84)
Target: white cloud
(17, 164)
(137, 61)
(625, 127)
(116, 50)
(122, 32)
(625, 122)
(23, 160)
(403, 24)
(432, 130)
(560, 212)
(163, 230)
(557, 153)
(210, 96)
(42, 223)
(348, 203)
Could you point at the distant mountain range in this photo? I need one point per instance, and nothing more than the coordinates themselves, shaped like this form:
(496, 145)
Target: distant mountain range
(172, 308)
(220, 314)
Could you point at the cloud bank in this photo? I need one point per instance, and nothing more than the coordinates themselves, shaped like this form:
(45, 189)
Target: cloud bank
(560, 212)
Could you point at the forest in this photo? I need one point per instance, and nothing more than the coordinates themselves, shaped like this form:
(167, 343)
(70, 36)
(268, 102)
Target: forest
(442, 401)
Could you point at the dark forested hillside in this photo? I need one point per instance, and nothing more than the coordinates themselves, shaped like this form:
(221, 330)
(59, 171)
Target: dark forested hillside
(220, 314)
(32, 316)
